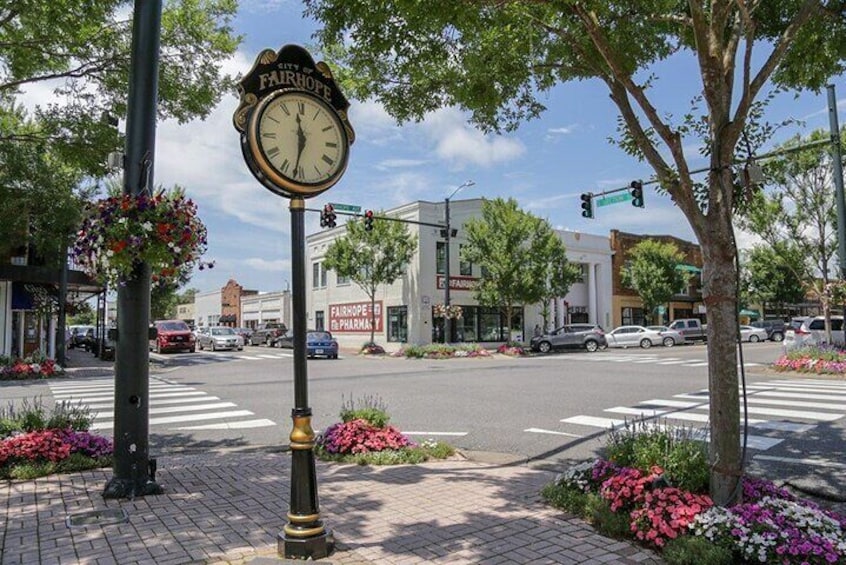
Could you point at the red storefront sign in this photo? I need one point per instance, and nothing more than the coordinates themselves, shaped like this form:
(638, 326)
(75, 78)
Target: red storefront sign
(354, 317)
(459, 283)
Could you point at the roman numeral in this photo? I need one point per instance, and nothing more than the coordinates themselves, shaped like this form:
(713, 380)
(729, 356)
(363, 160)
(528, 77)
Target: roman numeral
(328, 160)
(327, 128)
(285, 109)
(269, 134)
(301, 107)
(285, 166)
(331, 144)
(272, 119)
(273, 152)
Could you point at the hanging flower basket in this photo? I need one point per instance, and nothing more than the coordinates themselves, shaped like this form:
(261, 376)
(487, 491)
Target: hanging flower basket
(120, 232)
(442, 311)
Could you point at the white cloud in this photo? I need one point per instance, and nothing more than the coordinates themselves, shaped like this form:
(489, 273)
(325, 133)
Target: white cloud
(399, 164)
(459, 144)
(261, 264)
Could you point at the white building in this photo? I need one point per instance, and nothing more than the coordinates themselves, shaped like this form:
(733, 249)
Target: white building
(404, 309)
(207, 308)
(266, 307)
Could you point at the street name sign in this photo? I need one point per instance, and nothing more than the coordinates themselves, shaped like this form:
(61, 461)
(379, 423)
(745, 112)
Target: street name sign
(346, 207)
(608, 200)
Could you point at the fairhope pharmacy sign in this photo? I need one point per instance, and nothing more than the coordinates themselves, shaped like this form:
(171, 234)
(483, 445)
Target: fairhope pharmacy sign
(354, 317)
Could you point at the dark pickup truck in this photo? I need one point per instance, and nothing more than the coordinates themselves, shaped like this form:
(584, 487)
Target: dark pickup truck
(268, 333)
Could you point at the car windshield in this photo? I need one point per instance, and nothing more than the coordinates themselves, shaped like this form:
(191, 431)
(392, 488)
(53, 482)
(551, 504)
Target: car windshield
(318, 336)
(174, 327)
(222, 331)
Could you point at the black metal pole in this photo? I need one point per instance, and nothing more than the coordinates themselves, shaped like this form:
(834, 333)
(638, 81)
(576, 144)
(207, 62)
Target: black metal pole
(304, 536)
(61, 345)
(447, 319)
(132, 356)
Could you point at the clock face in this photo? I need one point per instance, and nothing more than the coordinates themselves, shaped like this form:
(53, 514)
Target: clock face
(298, 142)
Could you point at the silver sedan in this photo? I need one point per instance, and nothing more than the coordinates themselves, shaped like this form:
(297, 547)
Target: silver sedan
(637, 336)
(748, 333)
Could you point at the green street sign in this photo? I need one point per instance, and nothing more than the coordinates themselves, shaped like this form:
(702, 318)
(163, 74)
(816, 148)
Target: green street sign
(346, 207)
(608, 200)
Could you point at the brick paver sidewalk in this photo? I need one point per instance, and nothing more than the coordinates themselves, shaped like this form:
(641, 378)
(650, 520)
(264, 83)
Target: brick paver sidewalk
(230, 507)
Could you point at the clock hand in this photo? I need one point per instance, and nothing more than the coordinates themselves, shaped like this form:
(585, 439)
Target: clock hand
(301, 142)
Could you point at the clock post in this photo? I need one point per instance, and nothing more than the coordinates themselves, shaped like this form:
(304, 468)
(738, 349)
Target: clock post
(295, 138)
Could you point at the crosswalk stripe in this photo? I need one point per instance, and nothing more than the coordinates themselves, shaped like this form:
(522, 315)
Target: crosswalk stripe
(100, 398)
(798, 388)
(242, 425)
(175, 409)
(159, 402)
(754, 399)
(177, 419)
(704, 418)
(249, 357)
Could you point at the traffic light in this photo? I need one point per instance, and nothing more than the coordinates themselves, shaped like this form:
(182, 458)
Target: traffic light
(637, 193)
(368, 220)
(328, 217)
(587, 205)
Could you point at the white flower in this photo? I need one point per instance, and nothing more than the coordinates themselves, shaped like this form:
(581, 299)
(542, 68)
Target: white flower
(146, 226)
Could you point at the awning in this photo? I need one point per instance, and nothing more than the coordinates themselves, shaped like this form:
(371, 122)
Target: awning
(750, 313)
(688, 268)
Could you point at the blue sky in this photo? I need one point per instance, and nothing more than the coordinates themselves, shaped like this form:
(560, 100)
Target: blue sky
(545, 165)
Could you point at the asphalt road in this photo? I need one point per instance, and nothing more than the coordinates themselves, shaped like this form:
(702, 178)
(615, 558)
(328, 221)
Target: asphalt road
(541, 409)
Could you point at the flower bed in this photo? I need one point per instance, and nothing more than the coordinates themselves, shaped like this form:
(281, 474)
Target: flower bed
(441, 351)
(34, 367)
(819, 360)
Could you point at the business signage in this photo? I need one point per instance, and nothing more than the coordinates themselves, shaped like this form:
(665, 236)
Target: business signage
(354, 317)
(459, 283)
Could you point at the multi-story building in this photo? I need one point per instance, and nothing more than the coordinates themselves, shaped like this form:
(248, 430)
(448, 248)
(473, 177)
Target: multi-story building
(221, 307)
(266, 307)
(404, 309)
(627, 306)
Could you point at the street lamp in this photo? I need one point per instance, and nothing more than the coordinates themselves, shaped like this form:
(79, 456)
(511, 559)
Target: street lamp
(447, 237)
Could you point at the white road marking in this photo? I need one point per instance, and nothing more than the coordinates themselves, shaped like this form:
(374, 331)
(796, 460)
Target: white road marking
(456, 434)
(704, 418)
(175, 409)
(159, 402)
(177, 419)
(803, 461)
(754, 399)
(540, 431)
(245, 424)
(594, 422)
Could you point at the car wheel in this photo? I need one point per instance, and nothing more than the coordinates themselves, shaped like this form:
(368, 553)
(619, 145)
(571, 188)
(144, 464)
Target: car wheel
(192, 350)
(754, 339)
(645, 343)
(240, 349)
(200, 345)
(213, 346)
(669, 342)
(591, 345)
(777, 336)
(269, 341)
(544, 347)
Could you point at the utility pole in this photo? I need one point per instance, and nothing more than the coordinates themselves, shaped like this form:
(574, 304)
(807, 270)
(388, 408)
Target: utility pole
(448, 237)
(837, 173)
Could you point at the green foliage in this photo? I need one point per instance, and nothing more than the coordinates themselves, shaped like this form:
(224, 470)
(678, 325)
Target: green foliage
(569, 498)
(405, 456)
(442, 351)
(371, 258)
(774, 274)
(372, 409)
(679, 451)
(31, 415)
(607, 522)
(696, 550)
(653, 273)
(506, 236)
(72, 464)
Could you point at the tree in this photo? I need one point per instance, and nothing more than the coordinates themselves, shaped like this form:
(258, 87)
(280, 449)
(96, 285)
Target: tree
(506, 236)
(83, 49)
(798, 212)
(772, 276)
(371, 258)
(653, 273)
(497, 60)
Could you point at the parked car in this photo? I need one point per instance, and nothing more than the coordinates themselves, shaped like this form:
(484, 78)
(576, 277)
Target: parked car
(753, 335)
(775, 328)
(173, 335)
(318, 343)
(669, 337)
(77, 335)
(634, 336)
(219, 337)
(812, 332)
(584, 336)
(691, 328)
(268, 333)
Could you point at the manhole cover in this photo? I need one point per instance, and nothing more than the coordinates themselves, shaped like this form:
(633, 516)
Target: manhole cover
(104, 517)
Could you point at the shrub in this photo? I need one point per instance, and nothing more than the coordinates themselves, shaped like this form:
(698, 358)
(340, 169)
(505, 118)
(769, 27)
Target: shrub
(666, 513)
(32, 415)
(359, 436)
(371, 348)
(820, 359)
(34, 366)
(694, 550)
(570, 498)
(370, 409)
(511, 348)
(607, 521)
(679, 451)
(442, 351)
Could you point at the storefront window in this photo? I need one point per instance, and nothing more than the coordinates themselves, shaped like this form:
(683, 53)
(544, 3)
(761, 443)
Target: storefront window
(440, 258)
(398, 323)
(633, 317)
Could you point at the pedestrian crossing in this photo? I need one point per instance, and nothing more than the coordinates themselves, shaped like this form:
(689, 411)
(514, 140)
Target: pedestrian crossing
(213, 358)
(636, 359)
(776, 409)
(174, 406)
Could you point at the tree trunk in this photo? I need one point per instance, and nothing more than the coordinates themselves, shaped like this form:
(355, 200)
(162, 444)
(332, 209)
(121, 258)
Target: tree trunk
(373, 318)
(719, 296)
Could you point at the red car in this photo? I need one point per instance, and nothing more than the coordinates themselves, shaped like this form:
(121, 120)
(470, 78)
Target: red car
(173, 335)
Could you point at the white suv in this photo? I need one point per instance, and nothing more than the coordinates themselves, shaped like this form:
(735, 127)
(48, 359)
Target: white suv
(812, 332)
